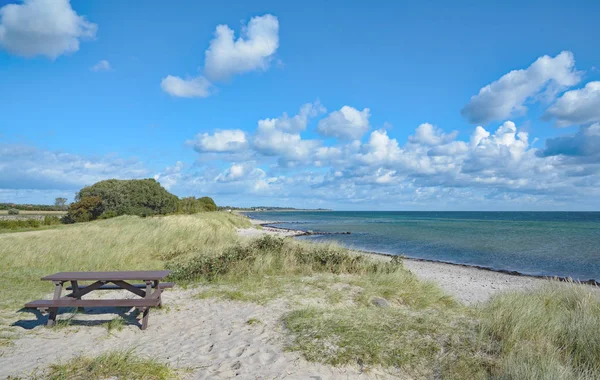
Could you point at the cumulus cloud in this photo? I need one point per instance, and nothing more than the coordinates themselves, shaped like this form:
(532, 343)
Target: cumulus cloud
(507, 96)
(186, 88)
(226, 57)
(253, 50)
(346, 124)
(240, 172)
(43, 27)
(580, 106)
(281, 136)
(26, 167)
(584, 144)
(489, 166)
(224, 141)
(170, 176)
(428, 134)
(103, 65)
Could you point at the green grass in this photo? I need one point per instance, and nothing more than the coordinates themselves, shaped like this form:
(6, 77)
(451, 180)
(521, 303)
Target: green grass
(419, 332)
(548, 333)
(123, 243)
(116, 364)
(116, 324)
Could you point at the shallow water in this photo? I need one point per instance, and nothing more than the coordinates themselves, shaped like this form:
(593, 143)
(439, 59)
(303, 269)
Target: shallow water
(565, 244)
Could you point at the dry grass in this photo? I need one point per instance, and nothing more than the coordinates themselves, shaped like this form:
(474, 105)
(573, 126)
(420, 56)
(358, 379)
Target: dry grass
(123, 243)
(417, 331)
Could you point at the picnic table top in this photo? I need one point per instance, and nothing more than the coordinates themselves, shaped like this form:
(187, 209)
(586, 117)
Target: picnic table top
(151, 275)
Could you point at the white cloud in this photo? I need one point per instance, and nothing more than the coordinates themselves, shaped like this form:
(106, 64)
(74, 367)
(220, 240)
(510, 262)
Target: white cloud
(43, 27)
(280, 136)
(433, 167)
(26, 167)
(103, 65)
(253, 50)
(428, 134)
(224, 141)
(170, 176)
(580, 106)
(346, 124)
(239, 172)
(507, 96)
(186, 88)
(585, 144)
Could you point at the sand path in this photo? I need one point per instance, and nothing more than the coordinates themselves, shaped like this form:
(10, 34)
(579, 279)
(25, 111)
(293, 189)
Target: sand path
(210, 338)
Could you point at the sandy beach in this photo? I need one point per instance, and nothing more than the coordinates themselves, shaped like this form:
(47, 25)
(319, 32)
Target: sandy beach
(467, 284)
(208, 338)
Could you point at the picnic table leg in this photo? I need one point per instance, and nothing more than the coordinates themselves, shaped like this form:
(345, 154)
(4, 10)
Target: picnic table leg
(75, 288)
(146, 312)
(53, 310)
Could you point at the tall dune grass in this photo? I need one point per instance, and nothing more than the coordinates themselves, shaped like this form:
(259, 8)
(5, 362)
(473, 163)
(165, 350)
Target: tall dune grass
(548, 333)
(123, 243)
(414, 328)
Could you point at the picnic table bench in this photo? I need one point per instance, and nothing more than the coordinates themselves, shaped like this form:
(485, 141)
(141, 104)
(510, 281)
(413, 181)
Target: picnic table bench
(104, 281)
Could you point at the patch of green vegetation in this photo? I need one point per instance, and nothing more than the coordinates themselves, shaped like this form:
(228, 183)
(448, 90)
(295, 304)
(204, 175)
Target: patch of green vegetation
(547, 333)
(253, 321)
(117, 364)
(122, 243)
(27, 224)
(435, 343)
(116, 324)
(274, 256)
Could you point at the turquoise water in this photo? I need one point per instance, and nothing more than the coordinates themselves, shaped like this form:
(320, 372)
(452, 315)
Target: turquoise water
(565, 244)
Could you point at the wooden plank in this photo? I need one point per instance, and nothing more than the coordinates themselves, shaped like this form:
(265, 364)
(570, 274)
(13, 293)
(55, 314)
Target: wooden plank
(162, 285)
(127, 286)
(108, 276)
(71, 302)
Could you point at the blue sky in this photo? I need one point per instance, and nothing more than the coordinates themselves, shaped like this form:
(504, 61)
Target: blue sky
(403, 106)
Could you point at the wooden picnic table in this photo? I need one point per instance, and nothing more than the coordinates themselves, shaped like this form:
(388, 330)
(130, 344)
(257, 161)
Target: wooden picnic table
(118, 280)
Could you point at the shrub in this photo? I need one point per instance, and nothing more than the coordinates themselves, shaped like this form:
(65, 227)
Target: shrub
(86, 209)
(274, 255)
(13, 211)
(18, 224)
(191, 205)
(50, 220)
(143, 197)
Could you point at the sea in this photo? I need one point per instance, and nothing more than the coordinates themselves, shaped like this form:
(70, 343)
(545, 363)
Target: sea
(562, 244)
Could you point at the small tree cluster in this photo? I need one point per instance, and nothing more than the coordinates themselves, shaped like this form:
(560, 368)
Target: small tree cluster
(191, 205)
(13, 211)
(84, 210)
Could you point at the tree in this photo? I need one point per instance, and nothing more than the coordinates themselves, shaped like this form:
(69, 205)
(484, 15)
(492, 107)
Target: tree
(84, 210)
(60, 202)
(143, 197)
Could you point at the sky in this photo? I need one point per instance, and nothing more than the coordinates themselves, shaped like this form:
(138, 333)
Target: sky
(343, 105)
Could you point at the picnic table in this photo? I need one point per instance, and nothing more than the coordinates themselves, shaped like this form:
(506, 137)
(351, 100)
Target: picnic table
(149, 290)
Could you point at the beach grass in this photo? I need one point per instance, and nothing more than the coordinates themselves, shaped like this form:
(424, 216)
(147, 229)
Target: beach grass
(345, 307)
(122, 243)
(111, 365)
(548, 333)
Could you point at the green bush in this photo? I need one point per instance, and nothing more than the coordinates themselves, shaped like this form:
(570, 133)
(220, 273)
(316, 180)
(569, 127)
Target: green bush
(270, 254)
(142, 197)
(19, 224)
(13, 211)
(86, 209)
(50, 220)
(191, 205)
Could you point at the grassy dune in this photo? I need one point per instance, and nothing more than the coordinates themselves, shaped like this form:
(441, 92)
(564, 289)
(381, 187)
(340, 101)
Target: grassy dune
(345, 308)
(122, 243)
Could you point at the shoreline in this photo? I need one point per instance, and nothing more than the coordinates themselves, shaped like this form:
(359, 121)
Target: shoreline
(468, 283)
